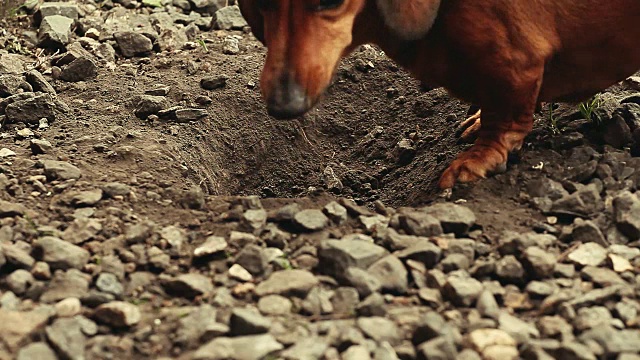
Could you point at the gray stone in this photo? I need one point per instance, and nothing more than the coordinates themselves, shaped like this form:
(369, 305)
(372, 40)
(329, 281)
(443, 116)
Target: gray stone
(603, 277)
(60, 170)
(540, 289)
(614, 341)
(589, 254)
(518, 329)
(199, 323)
(592, 317)
(39, 146)
(82, 230)
(356, 352)
(229, 18)
(86, 198)
(420, 224)
(37, 350)
(587, 231)
(462, 290)
(66, 336)
(66, 9)
(189, 285)
(109, 284)
(214, 82)
(133, 44)
(309, 348)
(54, 31)
(147, 105)
(31, 109)
(38, 82)
(118, 314)
(253, 220)
(253, 258)
(391, 274)
(19, 326)
(71, 283)
(430, 326)
(545, 187)
(380, 329)
(453, 218)
(336, 256)
(19, 281)
(9, 209)
(311, 220)
(212, 245)
(440, 348)
(336, 212)
(12, 85)
(17, 256)
(596, 296)
(116, 189)
(287, 283)
(345, 300)
(80, 69)
(363, 281)
(60, 254)
(248, 321)
(539, 262)
(275, 305)
(586, 201)
(372, 305)
(453, 262)
(253, 347)
(509, 269)
(487, 305)
(626, 211)
(318, 302)
(422, 251)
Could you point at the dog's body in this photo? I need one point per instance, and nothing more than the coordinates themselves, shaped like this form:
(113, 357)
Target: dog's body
(507, 56)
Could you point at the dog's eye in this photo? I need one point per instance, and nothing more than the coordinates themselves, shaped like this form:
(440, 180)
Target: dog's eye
(328, 4)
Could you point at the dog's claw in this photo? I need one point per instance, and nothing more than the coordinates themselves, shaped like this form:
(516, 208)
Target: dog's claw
(469, 128)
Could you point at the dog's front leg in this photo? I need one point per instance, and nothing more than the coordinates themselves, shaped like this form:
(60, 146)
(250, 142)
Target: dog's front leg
(507, 118)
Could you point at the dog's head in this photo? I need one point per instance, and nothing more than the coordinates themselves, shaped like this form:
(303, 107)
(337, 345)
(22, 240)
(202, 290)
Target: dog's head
(307, 38)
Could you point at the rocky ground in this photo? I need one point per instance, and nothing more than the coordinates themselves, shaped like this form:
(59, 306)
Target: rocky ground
(149, 208)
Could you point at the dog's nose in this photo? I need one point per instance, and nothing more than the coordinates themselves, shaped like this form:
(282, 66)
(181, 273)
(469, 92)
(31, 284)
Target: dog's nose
(288, 101)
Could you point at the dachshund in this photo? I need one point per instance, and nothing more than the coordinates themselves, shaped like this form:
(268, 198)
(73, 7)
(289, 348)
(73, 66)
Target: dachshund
(506, 56)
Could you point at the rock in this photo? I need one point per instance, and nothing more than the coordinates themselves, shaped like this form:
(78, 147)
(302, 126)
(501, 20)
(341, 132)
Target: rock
(619, 263)
(38, 81)
(37, 350)
(214, 82)
(229, 18)
(82, 230)
(63, 285)
(586, 201)
(40, 146)
(19, 326)
(248, 321)
(539, 262)
(254, 347)
(430, 326)
(453, 218)
(5, 153)
(380, 329)
(189, 285)
(422, 251)
(440, 348)
(587, 231)
(133, 44)
(54, 31)
(80, 69)
(86, 198)
(603, 277)
(275, 305)
(115, 189)
(253, 221)
(356, 352)
(66, 336)
(12, 85)
(509, 269)
(68, 10)
(318, 302)
(253, 258)
(626, 211)
(616, 132)
(287, 283)
(41, 271)
(487, 305)
(589, 254)
(198, 324)
(591, 317)
(149, 105)
(614, 341)
(363, 281)
(453, 262)
(482, 340)
(60, 254)
(462, 289)
(16, 256)
(336, 256)
(309, 348)
(68, 307)
(231, 46)
(596, 296)
(420, 224)
(212, 245)
(8, 209)
(385, 352)
(336, 212)
(311, 220)
(33, 108)
(118, 314)
(540, 289)
(110, 284)
(520, 330)
(391, 274)
(60, 170)
(372, 305)
(19, 281)
(239, 273)
(545, 187)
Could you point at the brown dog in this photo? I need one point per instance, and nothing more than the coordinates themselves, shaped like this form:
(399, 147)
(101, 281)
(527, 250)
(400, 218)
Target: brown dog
(507, 56)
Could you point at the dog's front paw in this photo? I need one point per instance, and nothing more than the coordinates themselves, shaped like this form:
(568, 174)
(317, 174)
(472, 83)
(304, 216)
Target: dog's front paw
(474, 164)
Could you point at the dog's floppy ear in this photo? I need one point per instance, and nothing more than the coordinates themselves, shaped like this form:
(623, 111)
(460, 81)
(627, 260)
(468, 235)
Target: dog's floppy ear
(251, 13)
(409, 19)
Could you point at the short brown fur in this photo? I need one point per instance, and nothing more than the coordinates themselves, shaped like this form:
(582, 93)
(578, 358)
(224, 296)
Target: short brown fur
(507, 56)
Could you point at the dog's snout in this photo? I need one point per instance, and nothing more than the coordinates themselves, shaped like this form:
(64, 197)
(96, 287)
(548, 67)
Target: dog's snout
(288, 100)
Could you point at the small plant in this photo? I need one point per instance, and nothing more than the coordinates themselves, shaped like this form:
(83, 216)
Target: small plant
(588, 107)
(9, 8)
(553, 120)
(203, 44)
